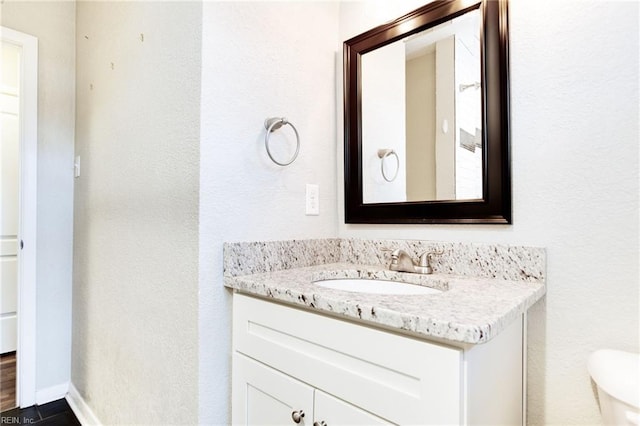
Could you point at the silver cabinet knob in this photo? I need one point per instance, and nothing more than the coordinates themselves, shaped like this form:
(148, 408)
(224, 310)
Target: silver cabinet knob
(297, 416)
(320, 423)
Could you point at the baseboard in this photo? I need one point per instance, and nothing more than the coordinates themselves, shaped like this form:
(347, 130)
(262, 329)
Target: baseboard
(52, 393)
(80, 408)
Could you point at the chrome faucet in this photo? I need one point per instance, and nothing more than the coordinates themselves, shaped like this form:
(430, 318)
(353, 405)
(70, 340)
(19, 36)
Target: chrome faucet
(401, 261)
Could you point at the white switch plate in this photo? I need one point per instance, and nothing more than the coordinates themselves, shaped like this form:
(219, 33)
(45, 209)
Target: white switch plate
(76, 167)
(313, 200)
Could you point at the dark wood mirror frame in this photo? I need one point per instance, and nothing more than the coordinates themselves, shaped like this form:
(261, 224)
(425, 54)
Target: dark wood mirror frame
(495, 205)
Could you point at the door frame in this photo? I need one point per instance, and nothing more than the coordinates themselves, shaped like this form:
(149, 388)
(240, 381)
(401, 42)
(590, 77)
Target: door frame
(26, 354)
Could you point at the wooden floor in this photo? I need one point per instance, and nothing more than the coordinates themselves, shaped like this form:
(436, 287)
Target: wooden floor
(7, 381)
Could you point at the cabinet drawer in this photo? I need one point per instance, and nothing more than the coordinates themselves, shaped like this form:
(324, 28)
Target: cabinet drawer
(399, 378)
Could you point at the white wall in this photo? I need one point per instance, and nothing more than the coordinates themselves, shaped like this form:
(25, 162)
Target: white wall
(259, 59)
(575, 139)
(135, 300)
(53, 23)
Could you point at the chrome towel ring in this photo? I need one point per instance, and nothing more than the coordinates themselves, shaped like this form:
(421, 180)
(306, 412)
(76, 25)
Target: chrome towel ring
(384, 153)
(272, 124)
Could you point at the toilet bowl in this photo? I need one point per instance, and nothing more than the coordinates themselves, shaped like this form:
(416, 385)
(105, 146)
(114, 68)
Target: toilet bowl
(617, 376)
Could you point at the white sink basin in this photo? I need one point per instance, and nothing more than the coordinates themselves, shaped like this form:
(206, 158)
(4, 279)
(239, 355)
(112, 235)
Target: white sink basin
(375, 286)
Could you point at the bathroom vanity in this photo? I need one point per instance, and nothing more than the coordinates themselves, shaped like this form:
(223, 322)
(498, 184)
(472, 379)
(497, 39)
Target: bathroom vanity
(308, 354)
(289, 362)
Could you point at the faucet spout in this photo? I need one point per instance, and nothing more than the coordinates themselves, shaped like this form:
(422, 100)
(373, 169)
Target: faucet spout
(401, 261)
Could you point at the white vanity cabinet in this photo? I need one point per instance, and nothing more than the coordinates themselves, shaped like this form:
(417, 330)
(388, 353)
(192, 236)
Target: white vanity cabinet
(288, 360)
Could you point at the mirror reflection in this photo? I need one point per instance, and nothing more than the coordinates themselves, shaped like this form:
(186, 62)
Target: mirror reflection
(421, 100)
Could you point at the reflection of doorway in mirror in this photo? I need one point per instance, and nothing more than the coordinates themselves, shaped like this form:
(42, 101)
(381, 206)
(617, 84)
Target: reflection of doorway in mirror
(420, 122)
(430, 120)
(443, 112)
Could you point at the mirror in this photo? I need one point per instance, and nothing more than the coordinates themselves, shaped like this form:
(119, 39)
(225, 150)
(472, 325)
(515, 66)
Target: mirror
(426, 117)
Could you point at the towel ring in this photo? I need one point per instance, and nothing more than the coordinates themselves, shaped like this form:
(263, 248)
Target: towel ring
(272, 124)
(384, 153)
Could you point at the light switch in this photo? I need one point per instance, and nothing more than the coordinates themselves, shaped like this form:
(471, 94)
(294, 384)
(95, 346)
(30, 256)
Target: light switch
(313, 200)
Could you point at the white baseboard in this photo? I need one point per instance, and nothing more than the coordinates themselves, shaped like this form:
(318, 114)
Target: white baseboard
(80, 408)
(52, 393)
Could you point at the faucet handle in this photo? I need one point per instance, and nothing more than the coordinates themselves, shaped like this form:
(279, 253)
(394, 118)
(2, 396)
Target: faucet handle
(425, 259)
(395, 254)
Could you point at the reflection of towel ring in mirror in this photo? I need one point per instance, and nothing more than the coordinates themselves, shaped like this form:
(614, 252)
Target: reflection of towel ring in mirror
(272, 124)
(384, 153)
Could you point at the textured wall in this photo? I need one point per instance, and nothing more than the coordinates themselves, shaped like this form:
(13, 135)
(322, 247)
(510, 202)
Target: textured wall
(260, 59)
(135, 295)
(54, 25)
(574, 115)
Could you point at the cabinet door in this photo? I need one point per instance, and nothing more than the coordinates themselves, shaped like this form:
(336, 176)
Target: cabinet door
(333, 412)
(264, 396)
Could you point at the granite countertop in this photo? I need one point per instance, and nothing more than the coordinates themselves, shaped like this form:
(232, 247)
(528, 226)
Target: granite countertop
(469, 310)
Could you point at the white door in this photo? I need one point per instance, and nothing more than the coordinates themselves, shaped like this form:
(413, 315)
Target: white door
(264, 396)
(9, 190)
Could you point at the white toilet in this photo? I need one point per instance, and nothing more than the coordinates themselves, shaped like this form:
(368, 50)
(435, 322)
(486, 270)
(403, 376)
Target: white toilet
(617, 375)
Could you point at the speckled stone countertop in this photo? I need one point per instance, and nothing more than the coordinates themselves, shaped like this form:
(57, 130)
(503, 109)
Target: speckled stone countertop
(485, 286)
(469, 310)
